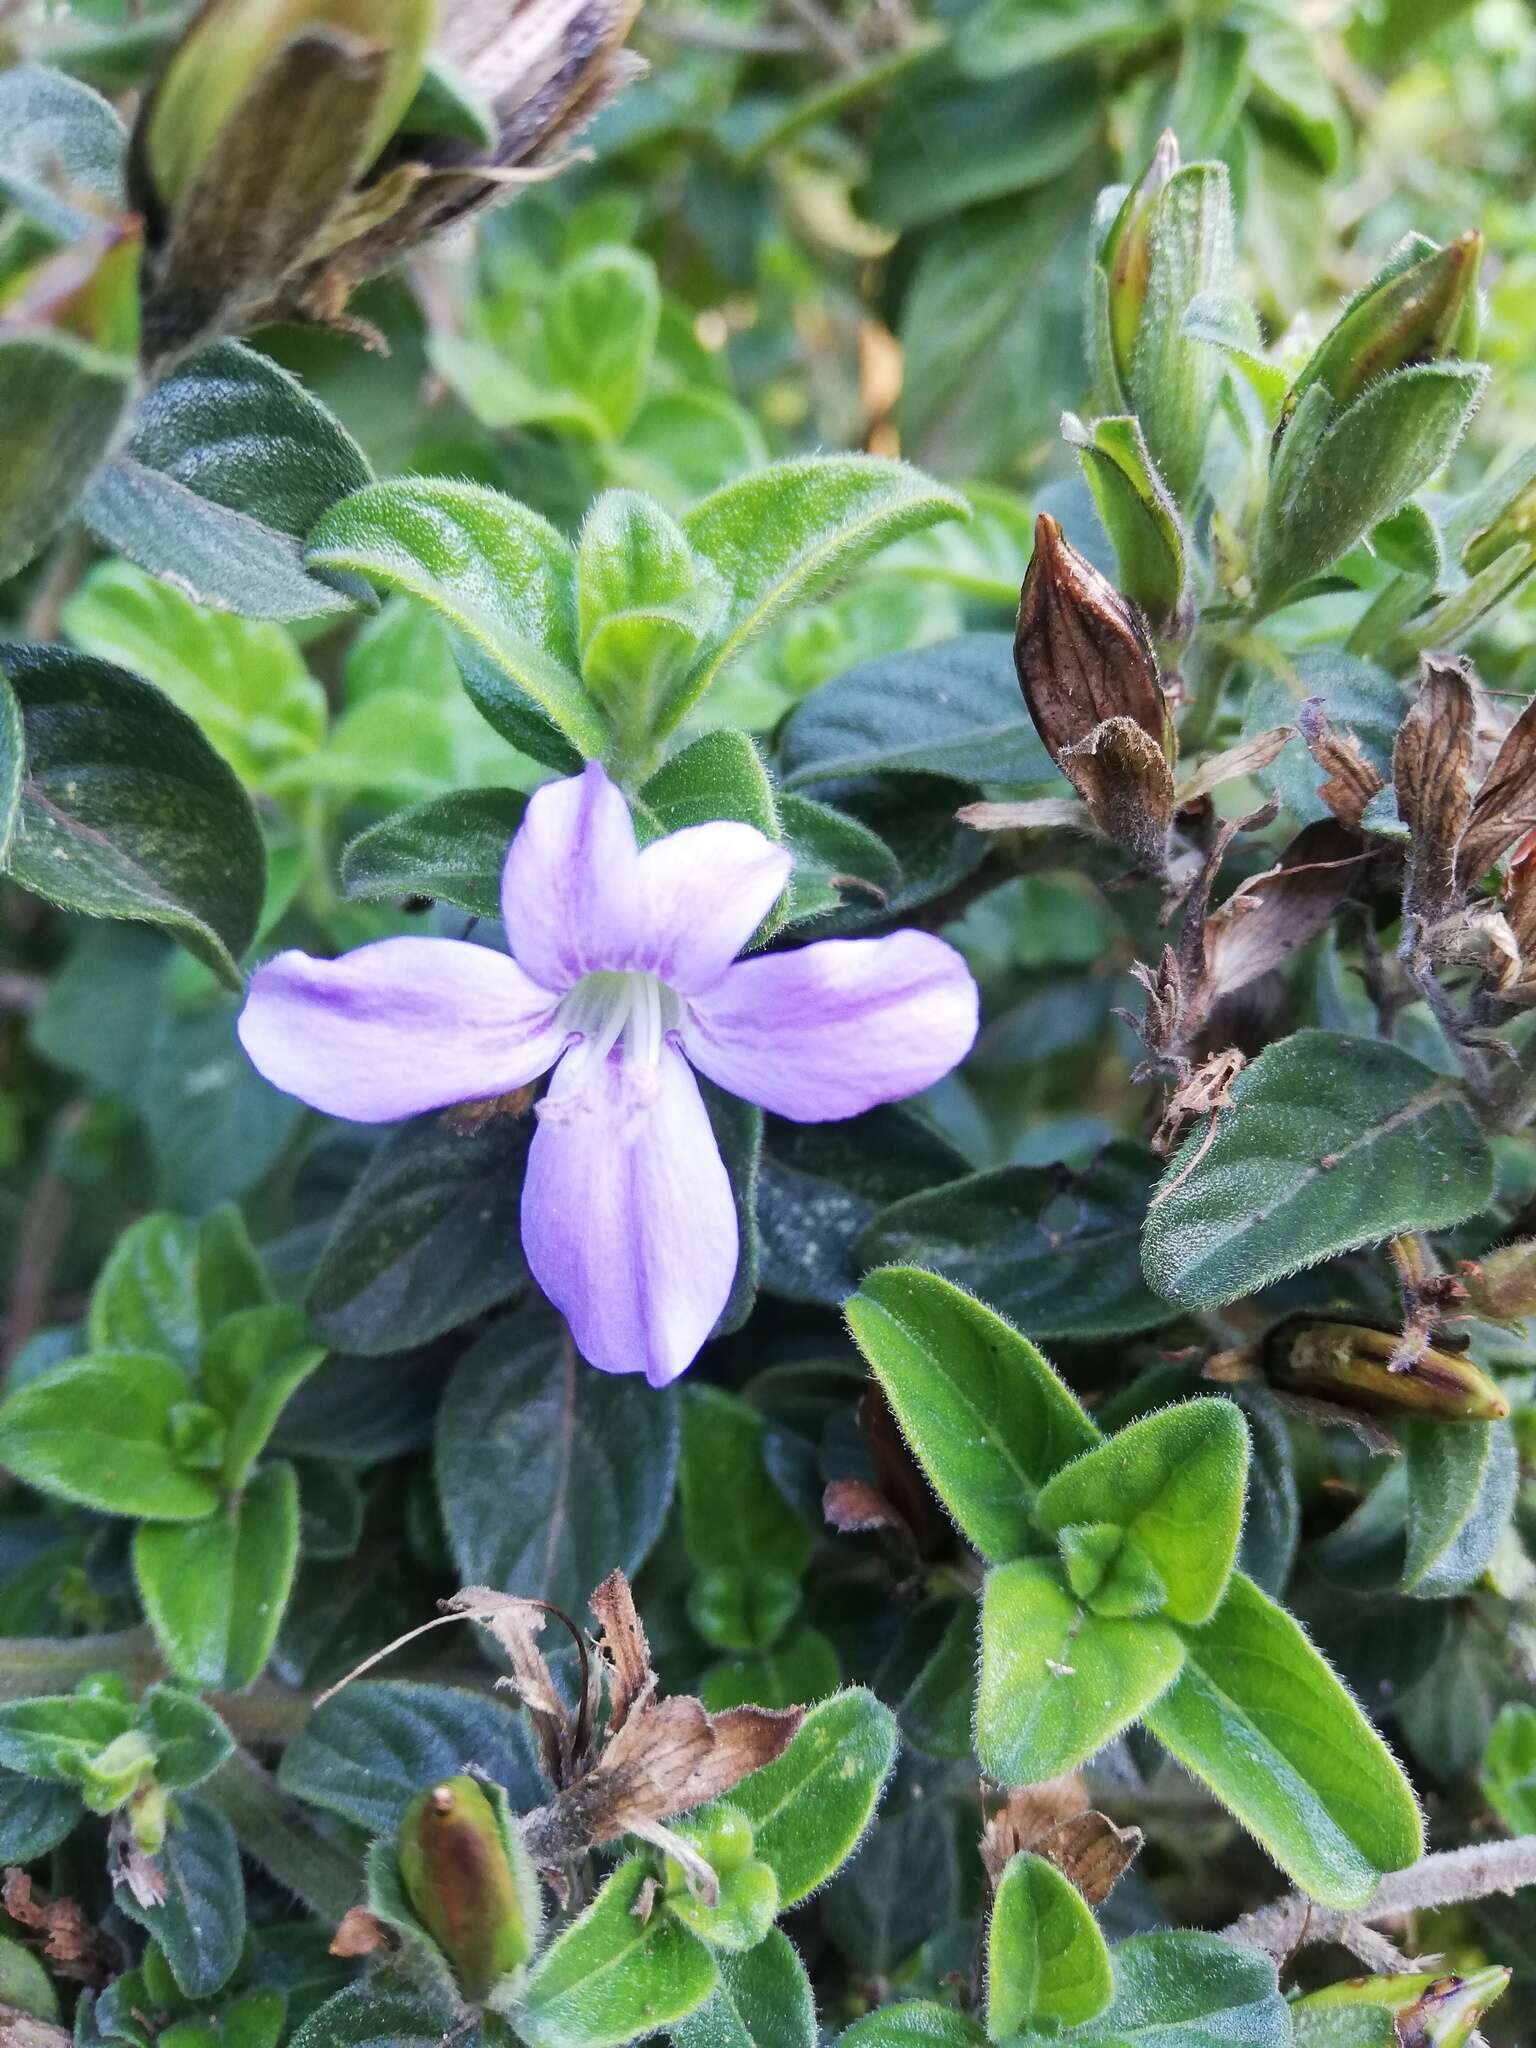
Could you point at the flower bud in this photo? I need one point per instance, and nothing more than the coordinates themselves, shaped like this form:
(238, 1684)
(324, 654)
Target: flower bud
(231, 41)
(1429, 2011)
(1502, 1287)
(1127, 255)
(1420, 309)
(1348, 1363)
(469, 1883)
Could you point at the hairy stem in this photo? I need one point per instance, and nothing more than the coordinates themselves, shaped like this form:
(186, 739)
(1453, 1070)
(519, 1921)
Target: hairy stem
(279, 1834)
(1447, 1879)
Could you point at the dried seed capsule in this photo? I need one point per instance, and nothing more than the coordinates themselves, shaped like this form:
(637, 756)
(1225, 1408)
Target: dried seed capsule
(1348, 1363)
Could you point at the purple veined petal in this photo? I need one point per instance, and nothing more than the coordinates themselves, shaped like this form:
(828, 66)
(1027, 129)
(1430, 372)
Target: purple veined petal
(836, 1027)
(398, 1027)
(628, 1221)
(704, 892)
(570, 894)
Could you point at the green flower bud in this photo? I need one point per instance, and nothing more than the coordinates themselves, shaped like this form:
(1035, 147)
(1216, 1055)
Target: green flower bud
(116, 1773)
(1127, 252)
(469, 1883)
(1430, 2011)
(1420, 309)
(748, 1890)
(1348, 1363)
(231, 41)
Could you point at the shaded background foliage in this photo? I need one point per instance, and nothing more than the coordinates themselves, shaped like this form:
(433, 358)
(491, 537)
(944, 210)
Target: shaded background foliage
(807, 228)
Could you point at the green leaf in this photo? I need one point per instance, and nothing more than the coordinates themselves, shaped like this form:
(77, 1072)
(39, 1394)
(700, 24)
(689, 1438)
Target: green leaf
(944, 142)
(913, 2023)
(253, 1360)
(733, 1514)
(1345, 2026)
(34, 1817)
(986, 1417)
(230, 1275)
(1057, 1681)
(215, 1591)
(1175, 380)
(549, 1474)
(200, 1924)
(1046, 1958)
(718, 775)
(1139, 516)
(451, 848)
(612, 1977)
(215, 1126)
(600, 325)
(372, 2014)
(1331, 1142)
(835, 858)
(1190, 1991)
(427, 1236)
(821, 1184)
(371, 1748)
(1509, 1767)
(26, 1989)
(876, 1914)
(1056, 1254)
(61, 401)
(57, 1737)
(763, 2000)
(61, 147)
(146, 1296)
(1462, 1483)
(98, 1431)
(1346, 472)
(126, 811)
(810, 1807)
(1016, 35)
(1258, 1716)
(955, 709)
(190, 1740)
(244, 681)
(789, 532)
(230, 464)
(494, 570)
(1174, 1484)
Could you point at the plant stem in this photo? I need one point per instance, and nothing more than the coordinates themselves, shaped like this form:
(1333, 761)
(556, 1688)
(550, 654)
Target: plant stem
(276, 1831)
(31, 1665)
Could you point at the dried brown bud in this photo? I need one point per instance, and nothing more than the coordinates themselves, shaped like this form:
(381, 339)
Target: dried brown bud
(1081, 650)
(1503, 1285)
(1430, 769)
(1361, 1365)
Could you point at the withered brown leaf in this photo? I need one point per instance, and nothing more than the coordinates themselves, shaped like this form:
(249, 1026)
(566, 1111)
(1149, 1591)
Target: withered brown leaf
(1247, 757)
(623, 1648)
(1431, 765)
(1056, 1820)
(1505, 806)
(1351, 780)
(1272, 915)
(853, 1506)
(360, 1933)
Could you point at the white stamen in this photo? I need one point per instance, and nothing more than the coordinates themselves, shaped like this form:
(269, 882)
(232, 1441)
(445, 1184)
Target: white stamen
(603, 1010)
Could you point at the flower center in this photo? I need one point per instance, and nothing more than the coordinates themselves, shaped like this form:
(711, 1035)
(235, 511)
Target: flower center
(635, 1011)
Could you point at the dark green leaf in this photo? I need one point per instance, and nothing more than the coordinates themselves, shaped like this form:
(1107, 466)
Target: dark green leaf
(427, 1237)
(230, 465)
(1190, 1991)
(366, 1753)
(61, 401)
(611, 1976)
(60, 145)
(1462, 1482)
(1054, 1251)
(126, 811)
(215, 1590)
(763, 2000)
(1331, 1142)
(550, 1474)
(451, 848)
(810, 1808)
(200, 1924)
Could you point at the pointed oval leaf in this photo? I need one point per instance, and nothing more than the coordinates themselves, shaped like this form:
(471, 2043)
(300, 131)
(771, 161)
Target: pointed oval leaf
(97, 1430)
(496, 571)
(611, 1976)
(1462, 1483)
(1258, 1716)
(230, 464)
(986, 1417)
(451, 848)
(763, 2000)
(126, 810)
(215, 1591)
(809, 1808)
(200, 1924)
(1046, 1958)
(1056, 1681)
(1193, 1990)
(1331, 1142)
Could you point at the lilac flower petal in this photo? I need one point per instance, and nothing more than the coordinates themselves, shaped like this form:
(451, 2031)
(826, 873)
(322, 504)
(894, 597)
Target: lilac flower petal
(628, 1222)
(704, 892)
(569, 890)
(837, 1027)
(398, 1027)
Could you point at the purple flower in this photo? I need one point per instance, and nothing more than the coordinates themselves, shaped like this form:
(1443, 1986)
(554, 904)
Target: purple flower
(623, 975)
